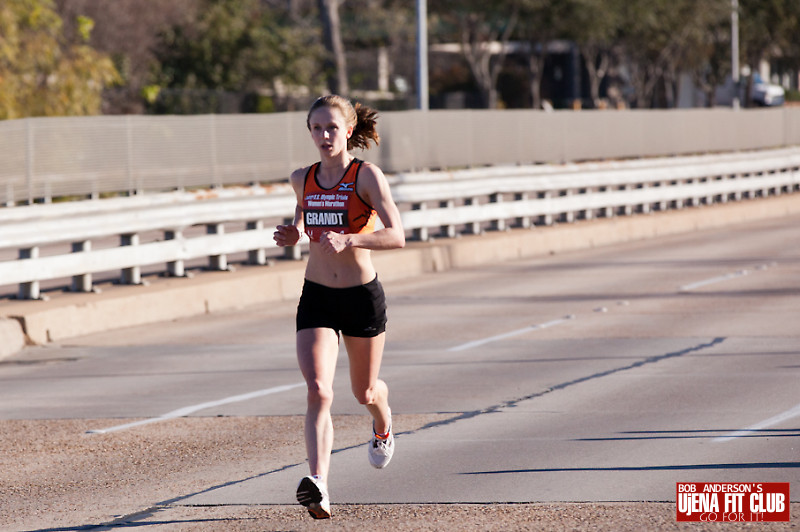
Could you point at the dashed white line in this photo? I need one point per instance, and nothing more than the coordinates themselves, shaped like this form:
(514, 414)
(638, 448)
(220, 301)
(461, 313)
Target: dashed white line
(185, 411)
(727, 277)
(484, 341)
(718, 279)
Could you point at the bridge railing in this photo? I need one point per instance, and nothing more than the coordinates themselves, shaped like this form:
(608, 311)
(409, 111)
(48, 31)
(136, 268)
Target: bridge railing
(55, 241)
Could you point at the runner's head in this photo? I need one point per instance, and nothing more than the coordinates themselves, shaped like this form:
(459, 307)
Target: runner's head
(360, 117)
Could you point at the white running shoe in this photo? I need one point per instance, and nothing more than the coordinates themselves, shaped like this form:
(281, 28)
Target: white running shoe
(380, 450)
(313, 494)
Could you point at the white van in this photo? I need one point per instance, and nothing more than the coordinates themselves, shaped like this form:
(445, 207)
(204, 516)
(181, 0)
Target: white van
(767, 94)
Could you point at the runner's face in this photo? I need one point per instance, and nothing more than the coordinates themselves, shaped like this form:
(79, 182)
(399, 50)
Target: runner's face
(329, 131)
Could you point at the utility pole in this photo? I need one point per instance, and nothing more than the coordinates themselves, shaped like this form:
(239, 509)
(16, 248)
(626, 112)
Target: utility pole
(735, 52)
(422, 55)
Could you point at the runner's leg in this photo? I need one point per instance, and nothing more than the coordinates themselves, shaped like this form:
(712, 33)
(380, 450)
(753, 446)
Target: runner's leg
(317, 350)
(365, 356)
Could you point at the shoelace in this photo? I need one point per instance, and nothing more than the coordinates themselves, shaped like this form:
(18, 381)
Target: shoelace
(379, 443)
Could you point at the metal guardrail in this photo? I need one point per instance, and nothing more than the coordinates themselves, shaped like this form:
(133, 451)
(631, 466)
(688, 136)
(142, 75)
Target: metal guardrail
(440, 203)
(46, 158)
(591, 189)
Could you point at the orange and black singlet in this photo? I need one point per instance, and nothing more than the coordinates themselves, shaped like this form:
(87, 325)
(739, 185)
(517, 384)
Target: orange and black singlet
(339, 208)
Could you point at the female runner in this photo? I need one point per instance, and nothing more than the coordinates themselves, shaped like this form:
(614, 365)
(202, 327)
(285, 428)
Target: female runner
(338, 200)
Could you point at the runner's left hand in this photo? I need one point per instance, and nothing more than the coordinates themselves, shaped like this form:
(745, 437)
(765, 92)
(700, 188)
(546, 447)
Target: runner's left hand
(333, 243)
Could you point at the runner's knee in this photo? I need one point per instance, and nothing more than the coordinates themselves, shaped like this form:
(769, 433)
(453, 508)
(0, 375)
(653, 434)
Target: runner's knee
(319, 394)
(366, 396)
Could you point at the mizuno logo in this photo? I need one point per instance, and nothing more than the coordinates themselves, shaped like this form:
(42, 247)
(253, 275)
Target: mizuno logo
(346, 187)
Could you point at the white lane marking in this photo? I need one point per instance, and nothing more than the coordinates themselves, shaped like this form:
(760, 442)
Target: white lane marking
(775, 420)
(185, 411)
(719, 279)
(476, 343)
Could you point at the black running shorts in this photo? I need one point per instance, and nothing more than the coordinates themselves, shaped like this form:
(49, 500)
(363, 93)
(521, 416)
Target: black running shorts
(356, 311)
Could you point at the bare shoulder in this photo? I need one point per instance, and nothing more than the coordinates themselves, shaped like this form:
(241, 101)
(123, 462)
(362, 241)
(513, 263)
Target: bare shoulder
(373, 185)
(372, 174)
(298, 178)
(299, 174)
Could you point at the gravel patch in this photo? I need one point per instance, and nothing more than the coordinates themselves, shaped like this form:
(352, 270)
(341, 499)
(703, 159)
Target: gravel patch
(56, 476)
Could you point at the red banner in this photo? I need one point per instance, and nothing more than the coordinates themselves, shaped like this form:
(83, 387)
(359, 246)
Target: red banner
(726, 502)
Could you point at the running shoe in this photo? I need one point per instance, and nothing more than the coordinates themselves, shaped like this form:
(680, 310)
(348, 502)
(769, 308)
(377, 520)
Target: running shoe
(381, 450)
(313, 494)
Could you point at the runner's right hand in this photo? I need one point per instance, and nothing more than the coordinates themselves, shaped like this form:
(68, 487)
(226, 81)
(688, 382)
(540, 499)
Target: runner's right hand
(286, 235)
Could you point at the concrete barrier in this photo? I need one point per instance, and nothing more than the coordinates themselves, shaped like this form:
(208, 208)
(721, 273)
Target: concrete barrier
(68, 315)
(12, 337)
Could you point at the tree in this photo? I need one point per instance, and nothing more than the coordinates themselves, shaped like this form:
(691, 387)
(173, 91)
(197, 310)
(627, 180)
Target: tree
(594, 25)
(692, 22)
(710, 58)
(768, 29)
(543, 21)
(656, 38)
(234, 46)
(382, 27)
(128, 34)
(336, 60)
(483, 30)
(41, 73)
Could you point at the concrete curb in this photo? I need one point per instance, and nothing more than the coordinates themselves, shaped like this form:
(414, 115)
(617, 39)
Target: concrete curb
(69, 315)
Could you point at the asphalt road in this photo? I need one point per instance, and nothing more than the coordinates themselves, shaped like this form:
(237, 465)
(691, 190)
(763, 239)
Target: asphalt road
(602, 375)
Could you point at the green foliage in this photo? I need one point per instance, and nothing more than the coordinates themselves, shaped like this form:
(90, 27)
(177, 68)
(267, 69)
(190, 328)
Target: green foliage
(234, 46)
(264, 50)
(474, 24)
(85, 27)
(662, 38)
(651, 41)
(769, 29)
(265, 104)
(369, 24)
(40, 73)
(150, 93)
